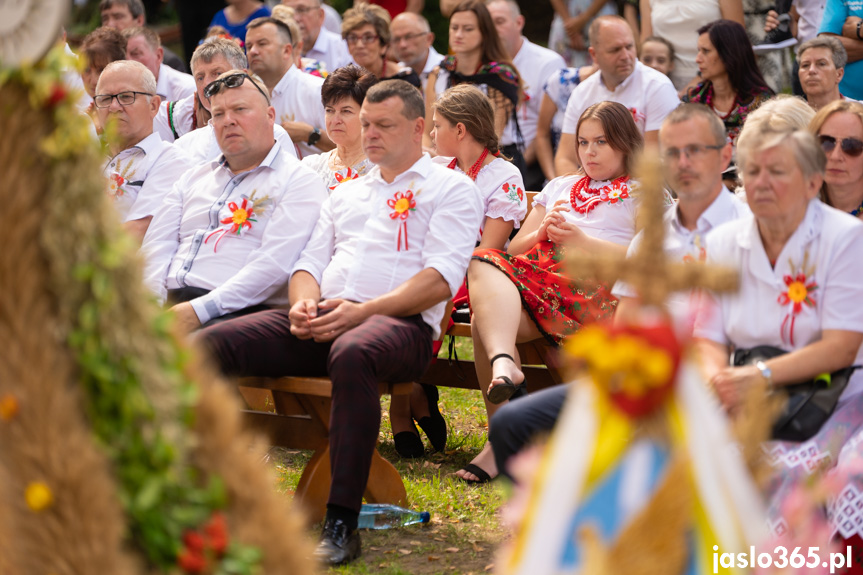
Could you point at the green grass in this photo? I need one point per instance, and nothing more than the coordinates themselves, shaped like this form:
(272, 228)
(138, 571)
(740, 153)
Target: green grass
(464, 530)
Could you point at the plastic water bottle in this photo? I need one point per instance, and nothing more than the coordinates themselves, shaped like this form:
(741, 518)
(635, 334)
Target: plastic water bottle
(387, 516)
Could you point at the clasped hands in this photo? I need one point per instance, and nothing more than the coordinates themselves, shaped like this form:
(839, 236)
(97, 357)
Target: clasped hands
(325, 320)
(555, 228)
(731, 384)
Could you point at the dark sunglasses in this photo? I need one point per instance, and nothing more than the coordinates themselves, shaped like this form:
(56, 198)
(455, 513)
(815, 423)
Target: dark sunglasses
(851, 147)
(232, 81)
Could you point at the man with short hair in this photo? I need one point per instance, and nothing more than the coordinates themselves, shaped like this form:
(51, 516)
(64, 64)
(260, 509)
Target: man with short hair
(144, 45)
(695, 152)
(296, 96)
(535, 64)
(319, 43)
(822, 65)
(229, 232)
(122, 14)
(367, 295)
(142, 168)
(411, 43)
(648, 94)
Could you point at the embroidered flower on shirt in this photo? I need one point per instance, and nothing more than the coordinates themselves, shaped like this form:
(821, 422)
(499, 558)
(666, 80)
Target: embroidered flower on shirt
(402, 205)
(513, 193)
(800, 285)
(348, 176)
(614, 194)
(636, 115)
(699, 255)
(118, 179)
(241, 218)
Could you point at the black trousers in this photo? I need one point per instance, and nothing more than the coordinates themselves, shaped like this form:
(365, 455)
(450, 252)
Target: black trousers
(182, 295)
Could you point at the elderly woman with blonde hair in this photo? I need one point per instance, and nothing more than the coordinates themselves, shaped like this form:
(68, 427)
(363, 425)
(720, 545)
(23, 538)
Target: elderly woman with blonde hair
(796, 318)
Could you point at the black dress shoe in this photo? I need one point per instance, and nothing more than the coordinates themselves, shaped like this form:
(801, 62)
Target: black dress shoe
(339, 543)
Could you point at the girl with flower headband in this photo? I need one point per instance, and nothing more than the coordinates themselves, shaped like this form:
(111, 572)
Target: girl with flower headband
(464, 137)
(591, 210)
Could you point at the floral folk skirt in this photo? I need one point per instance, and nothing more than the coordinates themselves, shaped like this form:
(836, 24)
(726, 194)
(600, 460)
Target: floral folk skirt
(557, 304)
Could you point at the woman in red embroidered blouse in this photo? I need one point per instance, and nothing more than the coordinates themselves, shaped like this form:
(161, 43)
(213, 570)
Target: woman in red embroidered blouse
(592, 211)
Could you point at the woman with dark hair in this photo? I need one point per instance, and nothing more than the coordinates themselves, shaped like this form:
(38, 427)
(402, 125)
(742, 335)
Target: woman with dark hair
(732, 85)
(524, 293)
(478, 58)
(343, 93)
(366, 29)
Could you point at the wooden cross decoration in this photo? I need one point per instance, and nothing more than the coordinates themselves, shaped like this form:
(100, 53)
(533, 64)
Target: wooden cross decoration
(649, 271)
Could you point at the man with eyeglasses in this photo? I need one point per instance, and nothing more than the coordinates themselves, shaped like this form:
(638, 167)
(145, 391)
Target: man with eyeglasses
(142, 167)
(227, 235)
(411, 42)
(318, 43)
(694, 152)
(296, 96)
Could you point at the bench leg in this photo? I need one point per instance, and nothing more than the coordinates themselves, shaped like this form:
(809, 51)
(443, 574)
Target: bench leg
(314, 486)
(385, 484)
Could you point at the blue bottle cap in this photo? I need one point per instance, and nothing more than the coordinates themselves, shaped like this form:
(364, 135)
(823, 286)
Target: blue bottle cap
(425, 517)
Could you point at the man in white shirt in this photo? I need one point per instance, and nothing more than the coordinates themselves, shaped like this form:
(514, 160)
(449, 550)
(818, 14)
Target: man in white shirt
(144, 45)
(226, 237)
(695, 152)
(534, 64)
(142, 168)
(122, 14)
(411, 42)
(319, 43)
(821, 67)
(648, 94)
(367, 295)
(296, 96)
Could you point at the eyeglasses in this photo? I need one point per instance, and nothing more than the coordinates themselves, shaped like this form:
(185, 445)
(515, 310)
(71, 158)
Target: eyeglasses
(690, 152)
(851, 147)
(123, 98)
(232, 81)
(303, 10)
(408, 37)
(365, 38)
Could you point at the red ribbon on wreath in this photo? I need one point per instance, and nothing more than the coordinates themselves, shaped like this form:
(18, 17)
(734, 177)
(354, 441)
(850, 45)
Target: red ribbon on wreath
(402, 204)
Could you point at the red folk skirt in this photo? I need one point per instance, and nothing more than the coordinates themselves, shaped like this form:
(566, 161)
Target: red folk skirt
(557, 304)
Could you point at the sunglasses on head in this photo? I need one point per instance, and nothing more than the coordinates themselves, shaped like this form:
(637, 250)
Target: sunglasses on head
(851, 147)
(232, 81)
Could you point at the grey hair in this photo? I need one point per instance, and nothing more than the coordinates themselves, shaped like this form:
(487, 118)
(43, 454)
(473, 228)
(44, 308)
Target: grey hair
(513, 6)
(685, 112)
(215, 46)
(807, 152)
(837, 50)
(782, 112)
(145, 76)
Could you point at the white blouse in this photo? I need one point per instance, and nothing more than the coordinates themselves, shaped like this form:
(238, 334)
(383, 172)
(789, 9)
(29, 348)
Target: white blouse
(501, 190)
(822, 255)
(320, 164)
(612, 220)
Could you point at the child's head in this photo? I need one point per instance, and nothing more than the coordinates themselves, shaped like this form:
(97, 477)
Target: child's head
(658, 53)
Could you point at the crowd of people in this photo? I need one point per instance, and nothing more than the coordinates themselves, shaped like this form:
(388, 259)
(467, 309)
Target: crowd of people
(307, 202)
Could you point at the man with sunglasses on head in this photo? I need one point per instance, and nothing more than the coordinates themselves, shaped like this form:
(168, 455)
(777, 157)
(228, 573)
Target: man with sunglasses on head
(142, 167)
(367, 295)
(296, 95)
(227, 235)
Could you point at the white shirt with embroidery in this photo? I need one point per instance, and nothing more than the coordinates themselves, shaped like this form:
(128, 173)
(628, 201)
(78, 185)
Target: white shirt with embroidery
(330, 49)
(297, 98)
(320, 164)
(174, 85)
(814, 286)
(373, 236)
(140, 176)
(501, 190)
(648, 94)
(535, 64)
(181, 117)
(685, 245)
(201, 145)
(613, 219)
(238, 235)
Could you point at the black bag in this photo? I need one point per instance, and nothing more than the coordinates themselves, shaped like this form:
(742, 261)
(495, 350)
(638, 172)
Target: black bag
(810, 404)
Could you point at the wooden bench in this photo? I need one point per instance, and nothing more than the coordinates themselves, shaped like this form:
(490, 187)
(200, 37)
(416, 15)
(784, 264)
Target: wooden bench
(295, 412)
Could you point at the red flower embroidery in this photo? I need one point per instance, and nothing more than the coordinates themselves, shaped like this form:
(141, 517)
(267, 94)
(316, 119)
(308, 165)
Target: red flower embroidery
(513, 193)
(799, 288)
(115, 186)
(349, 175)
(402, 205)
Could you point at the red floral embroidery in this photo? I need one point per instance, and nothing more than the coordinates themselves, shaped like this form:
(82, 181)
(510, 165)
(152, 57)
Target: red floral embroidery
(241, 217)
(513, 193)
(402, 204)
(349, 175)
(115, 186)
(799, 288)
(612, 193)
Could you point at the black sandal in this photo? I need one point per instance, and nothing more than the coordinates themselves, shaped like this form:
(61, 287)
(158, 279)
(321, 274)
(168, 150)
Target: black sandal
(503, 391)
(434, 425)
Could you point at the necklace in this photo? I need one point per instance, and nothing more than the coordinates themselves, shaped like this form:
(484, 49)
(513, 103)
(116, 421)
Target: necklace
(708, 101)
(857, 211)
(612, 193)
(473, 172)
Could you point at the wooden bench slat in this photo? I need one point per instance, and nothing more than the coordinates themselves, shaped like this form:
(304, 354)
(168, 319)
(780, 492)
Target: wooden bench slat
(317, 386)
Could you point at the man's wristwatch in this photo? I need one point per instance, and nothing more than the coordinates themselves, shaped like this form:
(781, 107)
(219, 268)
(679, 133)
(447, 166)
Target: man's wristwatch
(859, 23)
(765, 372)
(314, 137)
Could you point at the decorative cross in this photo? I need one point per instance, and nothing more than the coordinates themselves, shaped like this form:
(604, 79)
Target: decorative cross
(649, 271)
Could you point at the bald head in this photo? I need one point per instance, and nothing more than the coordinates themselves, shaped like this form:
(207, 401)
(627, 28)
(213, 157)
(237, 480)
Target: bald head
(612, 47)
(411, 39)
